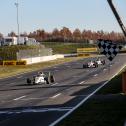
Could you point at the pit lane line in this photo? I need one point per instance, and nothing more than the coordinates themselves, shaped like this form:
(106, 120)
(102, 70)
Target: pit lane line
(29, 110)
(12, 113)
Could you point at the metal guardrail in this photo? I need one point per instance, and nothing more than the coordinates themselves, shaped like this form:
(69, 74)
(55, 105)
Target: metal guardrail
(86, 50)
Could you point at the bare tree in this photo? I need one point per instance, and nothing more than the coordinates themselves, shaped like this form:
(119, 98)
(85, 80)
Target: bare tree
(77, 35)
(12, 34)
(66, 34)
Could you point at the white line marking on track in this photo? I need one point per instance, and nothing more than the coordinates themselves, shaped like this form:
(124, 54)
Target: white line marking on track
(12, 83)
(82, 82)
(56, 95)
(54, 84)
(36, 110)
(19, 98)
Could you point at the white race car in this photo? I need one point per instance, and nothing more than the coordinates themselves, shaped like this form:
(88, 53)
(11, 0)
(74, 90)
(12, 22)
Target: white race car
(91, 64)
(41, 78)
(100, 62)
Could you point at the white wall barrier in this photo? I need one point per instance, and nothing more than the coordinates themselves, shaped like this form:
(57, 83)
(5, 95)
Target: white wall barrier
(42, 59)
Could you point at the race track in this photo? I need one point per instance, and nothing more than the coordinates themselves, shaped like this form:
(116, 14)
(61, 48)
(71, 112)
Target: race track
(41, 105)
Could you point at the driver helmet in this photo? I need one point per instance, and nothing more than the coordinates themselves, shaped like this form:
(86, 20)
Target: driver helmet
(42, 73)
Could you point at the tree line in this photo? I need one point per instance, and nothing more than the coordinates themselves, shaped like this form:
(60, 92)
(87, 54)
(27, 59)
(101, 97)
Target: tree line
(66, 35)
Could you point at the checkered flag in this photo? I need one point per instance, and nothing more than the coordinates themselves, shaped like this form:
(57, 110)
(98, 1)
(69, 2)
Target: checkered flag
(108, 48)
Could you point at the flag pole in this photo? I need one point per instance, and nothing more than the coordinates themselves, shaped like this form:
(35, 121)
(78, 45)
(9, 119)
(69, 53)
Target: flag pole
(109, 68)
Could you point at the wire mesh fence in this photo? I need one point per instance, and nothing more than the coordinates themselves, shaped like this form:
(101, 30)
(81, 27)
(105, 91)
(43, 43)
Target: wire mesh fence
(21, 54)
(18, 53)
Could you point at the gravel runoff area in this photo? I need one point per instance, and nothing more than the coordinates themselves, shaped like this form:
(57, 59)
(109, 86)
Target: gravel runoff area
(106, 108)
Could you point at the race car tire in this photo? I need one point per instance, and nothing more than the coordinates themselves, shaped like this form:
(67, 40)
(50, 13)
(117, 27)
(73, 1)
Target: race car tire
(47, 80)
(85, 66)
(103, 62)
(52, 79)
(28, 81)
(34, 83)
(96, 65)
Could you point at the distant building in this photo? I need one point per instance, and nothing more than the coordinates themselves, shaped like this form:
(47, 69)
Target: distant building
(8, 41)
(92, 41)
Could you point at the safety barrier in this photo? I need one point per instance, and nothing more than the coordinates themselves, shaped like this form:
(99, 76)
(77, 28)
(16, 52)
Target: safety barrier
(31, 60)
(43, 58)
(84, 55)
(13, 63)
(21, 62)
(86, 50)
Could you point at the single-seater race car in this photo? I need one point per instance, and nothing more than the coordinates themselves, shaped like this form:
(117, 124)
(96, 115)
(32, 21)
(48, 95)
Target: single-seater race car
(100, 62)
(41, 78)
(91, 64)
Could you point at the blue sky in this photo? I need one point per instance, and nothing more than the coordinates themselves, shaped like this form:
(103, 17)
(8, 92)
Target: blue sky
(49, 14)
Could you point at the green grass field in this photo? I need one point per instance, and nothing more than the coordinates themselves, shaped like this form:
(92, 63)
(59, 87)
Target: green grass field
(64, 48)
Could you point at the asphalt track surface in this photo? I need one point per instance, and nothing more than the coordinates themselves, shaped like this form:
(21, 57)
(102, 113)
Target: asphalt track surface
(41, 105)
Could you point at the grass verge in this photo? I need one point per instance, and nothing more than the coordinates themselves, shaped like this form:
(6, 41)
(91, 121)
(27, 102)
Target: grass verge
(6, 71)
(106, 108)
(113, 87)
(99, 111)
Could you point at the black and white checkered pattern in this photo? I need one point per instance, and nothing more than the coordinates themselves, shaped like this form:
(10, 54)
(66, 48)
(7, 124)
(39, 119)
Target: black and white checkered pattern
(108, 48)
